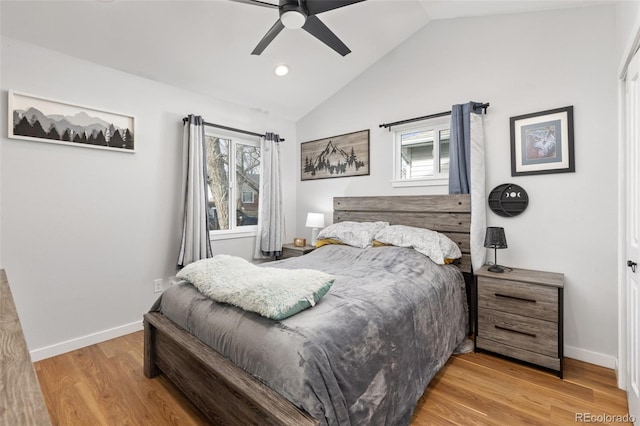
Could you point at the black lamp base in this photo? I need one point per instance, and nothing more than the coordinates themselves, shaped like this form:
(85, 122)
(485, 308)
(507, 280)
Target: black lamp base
(496, 268)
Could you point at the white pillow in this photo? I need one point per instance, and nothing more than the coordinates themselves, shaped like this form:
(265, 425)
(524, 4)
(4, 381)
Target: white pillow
(356, 234)
(271, 292)
(438, 247)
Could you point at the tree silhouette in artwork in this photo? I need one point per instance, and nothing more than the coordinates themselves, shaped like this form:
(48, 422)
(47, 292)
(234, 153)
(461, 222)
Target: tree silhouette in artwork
(66, 136)
(308, 167)
(112, 131)
(116, 140)
(80, 128)
(23, 128)
(80, 137)
(333, 160)
(37, 130)
(53, 133)
(100, 139)
(128, 139)
(352, 157)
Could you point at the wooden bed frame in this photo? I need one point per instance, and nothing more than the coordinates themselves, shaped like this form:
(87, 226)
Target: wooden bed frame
(226, 394)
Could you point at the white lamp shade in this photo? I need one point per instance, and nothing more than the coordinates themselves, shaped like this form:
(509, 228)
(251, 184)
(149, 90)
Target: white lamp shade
(315, 220)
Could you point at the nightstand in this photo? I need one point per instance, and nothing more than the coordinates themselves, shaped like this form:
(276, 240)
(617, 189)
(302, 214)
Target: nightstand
(289, 250)
(520, 315)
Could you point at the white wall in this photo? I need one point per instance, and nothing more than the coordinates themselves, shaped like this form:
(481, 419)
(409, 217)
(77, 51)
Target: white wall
(85, 231)
(628, 20)
(520, 64)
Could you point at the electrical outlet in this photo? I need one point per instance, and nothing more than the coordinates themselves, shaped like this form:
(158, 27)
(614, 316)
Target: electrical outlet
(157, 285)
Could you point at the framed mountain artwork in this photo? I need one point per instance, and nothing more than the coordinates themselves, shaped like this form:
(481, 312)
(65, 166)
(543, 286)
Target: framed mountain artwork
(39, 119)
(337, 156)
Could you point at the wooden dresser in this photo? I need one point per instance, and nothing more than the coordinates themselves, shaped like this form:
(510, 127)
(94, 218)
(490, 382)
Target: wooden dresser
(21, 400)
(519, 315)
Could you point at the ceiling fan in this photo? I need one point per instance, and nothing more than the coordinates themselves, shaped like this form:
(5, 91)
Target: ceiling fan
(302, 14)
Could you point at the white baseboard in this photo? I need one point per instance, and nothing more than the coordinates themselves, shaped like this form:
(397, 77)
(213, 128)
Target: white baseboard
(596, 358)
(81, 342)
(101, 336)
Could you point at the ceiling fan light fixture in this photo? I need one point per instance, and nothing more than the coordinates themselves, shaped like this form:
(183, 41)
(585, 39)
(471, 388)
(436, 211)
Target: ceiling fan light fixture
(293, 19)
(281, 70)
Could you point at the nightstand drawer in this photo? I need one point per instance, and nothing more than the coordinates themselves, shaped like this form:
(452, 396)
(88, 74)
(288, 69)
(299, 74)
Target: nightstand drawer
(287, 253)
(552, 362)
(526, 299)
(518, 331)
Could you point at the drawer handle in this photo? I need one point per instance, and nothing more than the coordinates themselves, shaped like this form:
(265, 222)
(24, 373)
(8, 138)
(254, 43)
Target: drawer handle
(515, 331)
(515, 298)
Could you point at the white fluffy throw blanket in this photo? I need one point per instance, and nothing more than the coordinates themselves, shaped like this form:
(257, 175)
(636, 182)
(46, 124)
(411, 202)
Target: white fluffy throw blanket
(271, 292)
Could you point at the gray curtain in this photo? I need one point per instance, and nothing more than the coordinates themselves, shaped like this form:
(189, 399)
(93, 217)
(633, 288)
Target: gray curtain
(270, 216)
(467, 171)
(460, 148)
(195, 243)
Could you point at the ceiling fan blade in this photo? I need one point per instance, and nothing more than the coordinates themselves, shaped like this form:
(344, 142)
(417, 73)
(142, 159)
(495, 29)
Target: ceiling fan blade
(268, 37)
(318, 6)
(257, 3)
(316, 28)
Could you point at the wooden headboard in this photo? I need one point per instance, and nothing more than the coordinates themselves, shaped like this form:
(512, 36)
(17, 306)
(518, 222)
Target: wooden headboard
(449, 214)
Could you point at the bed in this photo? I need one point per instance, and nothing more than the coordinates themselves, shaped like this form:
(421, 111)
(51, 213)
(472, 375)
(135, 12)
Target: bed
(384, 367)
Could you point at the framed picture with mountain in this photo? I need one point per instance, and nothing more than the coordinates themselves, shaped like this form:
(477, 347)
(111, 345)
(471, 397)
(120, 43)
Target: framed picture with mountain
(35, 118)
(337, 156)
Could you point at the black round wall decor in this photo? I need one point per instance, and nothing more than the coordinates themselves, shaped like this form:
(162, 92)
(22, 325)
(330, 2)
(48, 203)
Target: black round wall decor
(508, 200)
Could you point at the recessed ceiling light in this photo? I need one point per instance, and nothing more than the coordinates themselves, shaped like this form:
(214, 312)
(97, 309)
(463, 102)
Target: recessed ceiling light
(281, 70)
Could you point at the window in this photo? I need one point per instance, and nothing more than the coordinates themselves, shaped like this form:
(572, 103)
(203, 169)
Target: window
(247, 197)
(234, 185)
(421, 154)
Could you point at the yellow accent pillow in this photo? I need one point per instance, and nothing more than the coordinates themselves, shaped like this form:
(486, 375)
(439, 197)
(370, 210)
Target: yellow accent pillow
(326, 241)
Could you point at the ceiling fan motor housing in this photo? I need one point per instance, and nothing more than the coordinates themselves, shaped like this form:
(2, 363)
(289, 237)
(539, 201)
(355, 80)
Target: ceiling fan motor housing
(292, 14)
(302, 14)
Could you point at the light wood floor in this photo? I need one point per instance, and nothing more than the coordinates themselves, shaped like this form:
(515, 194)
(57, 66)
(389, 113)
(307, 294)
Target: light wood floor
(104, 385)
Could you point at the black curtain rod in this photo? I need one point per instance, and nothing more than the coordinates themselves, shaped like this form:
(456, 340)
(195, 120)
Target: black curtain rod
(219, 126)
(440, 114)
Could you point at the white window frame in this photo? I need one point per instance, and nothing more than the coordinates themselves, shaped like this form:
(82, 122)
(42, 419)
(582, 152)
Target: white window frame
(434, 124)
(234, 231)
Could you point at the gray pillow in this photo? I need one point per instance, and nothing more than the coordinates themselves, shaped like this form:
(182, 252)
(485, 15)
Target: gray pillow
(436, 246)
(356, 234)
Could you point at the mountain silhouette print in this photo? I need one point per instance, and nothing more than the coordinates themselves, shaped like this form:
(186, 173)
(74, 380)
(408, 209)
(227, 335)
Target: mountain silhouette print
(333, 160)
(79, 128)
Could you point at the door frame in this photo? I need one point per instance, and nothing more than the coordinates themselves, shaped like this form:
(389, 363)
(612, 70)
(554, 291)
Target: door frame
(632, 46)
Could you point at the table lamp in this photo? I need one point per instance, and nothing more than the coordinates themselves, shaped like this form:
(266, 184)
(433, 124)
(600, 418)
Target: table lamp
(315, 221)
(495, 239)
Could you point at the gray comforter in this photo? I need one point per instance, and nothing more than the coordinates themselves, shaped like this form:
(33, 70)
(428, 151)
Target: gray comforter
(364, 354)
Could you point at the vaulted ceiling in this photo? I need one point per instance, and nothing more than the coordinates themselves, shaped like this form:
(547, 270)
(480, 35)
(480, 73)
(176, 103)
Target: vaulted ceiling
(205, 46)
